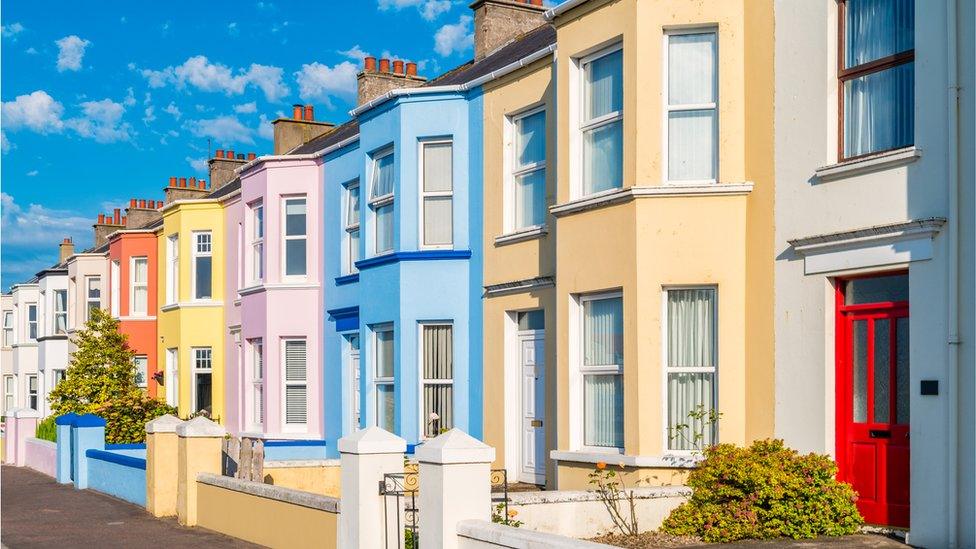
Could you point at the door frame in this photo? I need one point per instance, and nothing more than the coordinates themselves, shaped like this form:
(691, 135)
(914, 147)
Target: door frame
(522, 336)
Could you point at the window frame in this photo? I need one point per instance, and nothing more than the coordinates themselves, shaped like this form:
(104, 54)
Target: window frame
(135, 362)
(844, 75)
(667, 369)
(133, 285)
(256, 410)
(173, 269)
(423, 195)
(285, 383)
(378, 202)
(513, 170)
(256, 256)
(581, 125)
(9, 392)
(580, 370)
(88, 298)
(8, 329)
(285, 200)
(32, 325)
(33, 393)
(351, 353)
(195, 254)
(194, 371)
(667, 108)
(115, 279)
(423, 381)
(375, 379)
(63, 314)
(350, 228)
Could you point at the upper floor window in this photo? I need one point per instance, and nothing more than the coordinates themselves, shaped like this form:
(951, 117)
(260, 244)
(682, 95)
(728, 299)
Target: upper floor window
(32, 391)
(8, 328)
(139, 282)
(93, 294)
(437, 194)
(115, 274)
(173, 268)
(9, 392)
(601, 120)
(877, 75)
(691, 150)
(202, 265)
(296, 237)
(60, 311)
(381, 197)
(351, 223)
(528, 180)
(257, 243)
(32, 321)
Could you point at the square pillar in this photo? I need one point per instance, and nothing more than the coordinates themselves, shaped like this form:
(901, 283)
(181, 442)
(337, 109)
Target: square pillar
(63, 453)
(365, 457)
(199, 450)
(455, 471)
(10, 438)
(162, 476)
(87, 433)
(21, 423)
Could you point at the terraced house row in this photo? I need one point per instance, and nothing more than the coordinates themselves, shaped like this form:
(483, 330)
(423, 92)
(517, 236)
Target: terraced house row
(620, 218)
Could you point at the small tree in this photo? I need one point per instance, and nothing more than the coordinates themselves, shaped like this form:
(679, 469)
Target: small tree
(101, 369)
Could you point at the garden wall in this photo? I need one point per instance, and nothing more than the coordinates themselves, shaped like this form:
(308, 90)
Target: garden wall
(320, 476)
(281, 450)
(41, 455)
(118, 473)
(478, 534)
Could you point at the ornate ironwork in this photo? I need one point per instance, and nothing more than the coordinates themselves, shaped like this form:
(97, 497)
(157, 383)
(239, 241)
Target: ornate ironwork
(402, 488)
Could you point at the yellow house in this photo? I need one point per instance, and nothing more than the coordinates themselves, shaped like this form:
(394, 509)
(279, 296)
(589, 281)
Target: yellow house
(643, 298)
(191, 293)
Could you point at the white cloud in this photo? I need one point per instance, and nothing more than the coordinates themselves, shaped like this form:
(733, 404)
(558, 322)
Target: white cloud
(202, 74)
(11, 30)
(354, 52)
(149, 115)
(246, 108)
(38, 225)
(265, 129)
(130, 98)
(102, 121)
(37, 111)
(322, 83)
(71, 50)
(31, 51)
(5, 144)
(173, 110)
(232, 29)
(225, 130)
(198, 164)
(429, 9)
(453, 38)
(32, 173)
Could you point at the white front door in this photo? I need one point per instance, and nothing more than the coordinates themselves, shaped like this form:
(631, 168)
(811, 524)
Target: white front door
(354, 366)
(172, 379)
(533, 387)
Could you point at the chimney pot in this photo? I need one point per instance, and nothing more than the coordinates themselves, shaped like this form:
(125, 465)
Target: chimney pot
(296, 113)
(411, 69)
(183, 182)
(384, 65)
(116, 215)
(124, 218)
(230, 152)
(172, 182)
(132, 202)
(309, 113)
(142, 204)
(193, 182)
(203, 183)
(536, 2)
(369, 64)
(101, 219)
(251, 156)
(219, 153)
(240, 156)
(398, 67)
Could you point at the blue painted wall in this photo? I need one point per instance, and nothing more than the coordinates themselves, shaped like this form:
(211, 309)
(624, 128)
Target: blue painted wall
(118, 475)
(413, 289)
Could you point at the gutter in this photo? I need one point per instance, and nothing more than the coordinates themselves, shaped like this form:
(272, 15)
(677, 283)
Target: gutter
(952, 233)
(308, 156)
(552, 13)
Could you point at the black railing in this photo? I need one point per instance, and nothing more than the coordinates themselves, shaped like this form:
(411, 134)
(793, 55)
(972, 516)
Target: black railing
(401, 489)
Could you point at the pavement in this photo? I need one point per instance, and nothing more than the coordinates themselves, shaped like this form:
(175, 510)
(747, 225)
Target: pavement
(859, 541)
(37, 512)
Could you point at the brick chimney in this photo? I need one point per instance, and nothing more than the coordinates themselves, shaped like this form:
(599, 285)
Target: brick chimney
(141, 213)
(66, 249)
(106, 225)
(498, 22)
(297, 130)
(374, 82)
(180, 188)
(222, 167)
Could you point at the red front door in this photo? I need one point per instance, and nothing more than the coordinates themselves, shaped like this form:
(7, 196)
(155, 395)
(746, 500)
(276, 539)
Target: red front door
(873, 396)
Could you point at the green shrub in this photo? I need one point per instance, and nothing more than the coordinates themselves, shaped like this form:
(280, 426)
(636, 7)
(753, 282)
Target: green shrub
(762, 492)
(47, 430)
(126, 416)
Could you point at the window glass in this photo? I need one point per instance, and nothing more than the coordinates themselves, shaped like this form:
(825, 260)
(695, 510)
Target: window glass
(438, 194)
(60, 311)
(203, 379)
(602, 371)
(532, 320)
(140, 285)
(602, 124)
(878, 289)
(202, 266)
(604, 85)
(384, 228)
(692, 109)
(691, 359)
(383, 177)
(875, 29)
(530, 170)
(603, 331)
(141, 370)
(530, 139)
(295, 217)
(8, 328)
(438, 389)
(32, 321)
(94, 295)
(384, 353)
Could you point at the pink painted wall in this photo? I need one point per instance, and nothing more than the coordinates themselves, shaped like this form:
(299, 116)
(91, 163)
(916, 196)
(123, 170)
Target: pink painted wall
(41, 455)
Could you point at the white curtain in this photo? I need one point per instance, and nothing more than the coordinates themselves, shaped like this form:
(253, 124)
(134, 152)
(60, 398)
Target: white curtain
(877, 28)
(689, 393)
(384, 353)
(603, 332)
(437, 167)
(140, 291)
(385, 407)
(352, 206)
(530, 199)
(691, 81)
(880, 111)
(382, 176)
(691, 68)
(438, 365)
(384, 228)
(60, 311)
(531, 139)
(603, 399)
(603, 402)
(438, 220)
(691, 344)
(691, 145)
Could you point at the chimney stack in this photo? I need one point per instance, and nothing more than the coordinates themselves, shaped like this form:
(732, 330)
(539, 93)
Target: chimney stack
(222, 169)
(499, 22)
(373, 83)
(297, 130)
(178, 189)
(66, 249)
(106, 225)
(140, 213)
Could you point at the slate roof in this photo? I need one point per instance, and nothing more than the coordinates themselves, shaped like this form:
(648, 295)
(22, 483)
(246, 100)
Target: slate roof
(226, 189)
(524, 46)
(337, 135)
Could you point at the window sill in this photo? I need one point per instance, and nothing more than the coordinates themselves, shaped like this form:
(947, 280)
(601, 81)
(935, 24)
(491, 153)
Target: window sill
(676, 461)
(347, 279)
(137, 318)
(874, 163)
(190, 304)
(522, 235)
(621, 196)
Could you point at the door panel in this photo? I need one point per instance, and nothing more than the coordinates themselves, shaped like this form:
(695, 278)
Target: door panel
(533, 435)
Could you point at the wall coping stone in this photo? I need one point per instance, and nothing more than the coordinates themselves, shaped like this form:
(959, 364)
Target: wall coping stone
(521, 538)
(65, 419)
(87, 420)
(112, 457)
(41, 442)
(455, 447)
(200, 427)
(568, 496)
(163, 424)
(23, 412)
(291, 463)
(372, 440)
(270, 491)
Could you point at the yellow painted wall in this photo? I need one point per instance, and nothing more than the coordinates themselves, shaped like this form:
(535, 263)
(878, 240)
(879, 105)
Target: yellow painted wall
(317, 479)
(265, 521)
(193, 324)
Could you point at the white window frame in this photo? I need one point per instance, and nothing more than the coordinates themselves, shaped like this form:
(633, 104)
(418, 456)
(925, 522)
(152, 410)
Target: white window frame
(33, 393)
(355, 394)
(285, 383)
(255, 255)
(133, 286)
(88, 299)
(135, 362)
(194, 370)
(115, 274)
(579, 124)
(9, 392)
(423, 195)
(32, 325)
(173, 268)
(171, 377)
(8, 328)
(667, 369)
(256, 410)
(667, 108)
(388, 199)
(285, 237)
(59, 313)
(577, 411)
(423, 381)
(196, 254)
(513, 170)
(349, 262)
(376, 380)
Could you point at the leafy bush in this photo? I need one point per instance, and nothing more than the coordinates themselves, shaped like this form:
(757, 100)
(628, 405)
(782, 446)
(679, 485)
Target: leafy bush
(47, 430)
(765, 491)
(126, 417)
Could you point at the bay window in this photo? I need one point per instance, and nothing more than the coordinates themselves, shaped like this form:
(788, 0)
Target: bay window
(602, 370)
(383, 377)
(690, 369)
(93, 295)
(601, 120)
(352, 226)
(296, 237)
(296, 379)
(691, 153)
(528, 186)
(876, 76)
(381, 201)
(257, 383)
(60, 311)
(257, 243)
(8, 328)
(438, 378)
(9, 392)
(139, 286)
(202, 265)
(32, 391)
(437, 194)
(173, 269)
(32, 321)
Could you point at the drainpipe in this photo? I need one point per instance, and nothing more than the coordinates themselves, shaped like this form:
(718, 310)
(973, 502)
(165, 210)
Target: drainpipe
(953, 274)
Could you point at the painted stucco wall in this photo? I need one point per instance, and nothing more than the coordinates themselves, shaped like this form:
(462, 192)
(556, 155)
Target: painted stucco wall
(52, 347)
(315, 476)
(234, 379)
(41, 455)
(6, 349)
(24, 349)
(122, 481)
(141, 330)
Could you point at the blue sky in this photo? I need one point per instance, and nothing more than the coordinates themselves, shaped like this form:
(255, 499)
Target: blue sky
(106, 102)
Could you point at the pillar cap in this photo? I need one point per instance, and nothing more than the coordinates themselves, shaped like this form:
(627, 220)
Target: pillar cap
(65, 419)
(87, 420)
(200, 427)
(455, 446)
(163, 424)
(372, 440)
(23, 412)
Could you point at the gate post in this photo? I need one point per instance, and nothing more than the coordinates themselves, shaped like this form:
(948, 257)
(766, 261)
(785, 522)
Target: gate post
(455, 471)
(21, 424)
(366, 456)
(87, 433)
(162, 476)
(199, 449)
(63, 426)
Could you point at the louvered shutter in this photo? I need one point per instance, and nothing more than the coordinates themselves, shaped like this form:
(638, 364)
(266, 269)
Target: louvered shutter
(296, 392)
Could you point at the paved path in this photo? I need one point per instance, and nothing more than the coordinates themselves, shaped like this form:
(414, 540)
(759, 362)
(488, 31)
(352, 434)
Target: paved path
(36, 511)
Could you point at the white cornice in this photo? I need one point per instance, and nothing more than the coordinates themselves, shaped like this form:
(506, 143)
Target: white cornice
(620, 196)
(873, 163)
